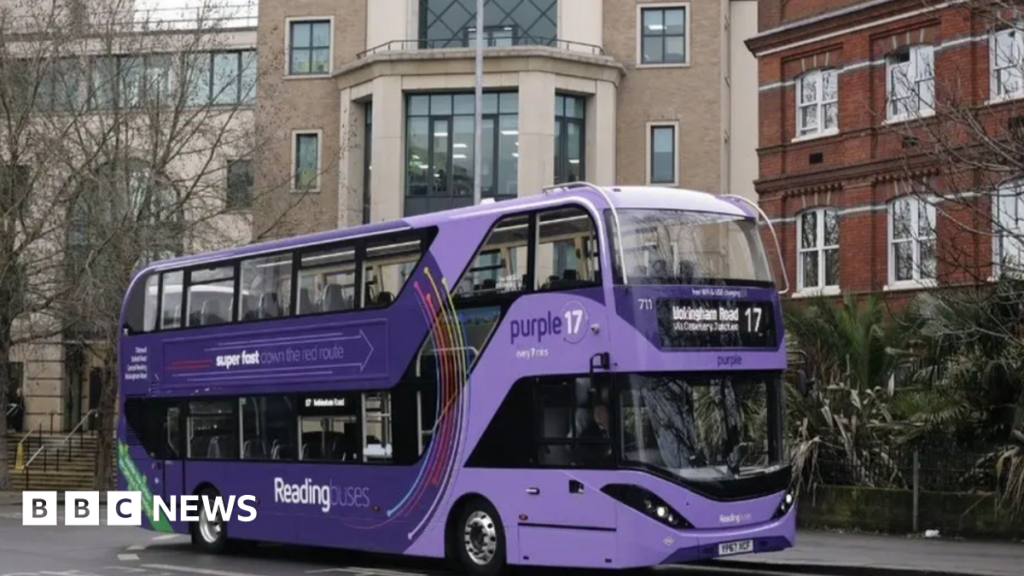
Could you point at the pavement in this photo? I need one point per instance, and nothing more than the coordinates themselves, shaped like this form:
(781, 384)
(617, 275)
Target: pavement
(886, 555)
(127, 551)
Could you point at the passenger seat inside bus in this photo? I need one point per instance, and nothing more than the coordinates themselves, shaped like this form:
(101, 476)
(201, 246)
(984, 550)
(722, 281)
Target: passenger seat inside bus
(333, 299)
(306, 305)
(269, 307)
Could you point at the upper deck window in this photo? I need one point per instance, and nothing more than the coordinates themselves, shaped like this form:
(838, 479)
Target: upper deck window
(210, 296)
(266, 287)
(563, 255)
(696, 248)
(388, 264)
(327, 281)
(566, 249)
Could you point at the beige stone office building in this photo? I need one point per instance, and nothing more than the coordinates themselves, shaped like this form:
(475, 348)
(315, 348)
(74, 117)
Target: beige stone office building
(61, 381)
(372, 102)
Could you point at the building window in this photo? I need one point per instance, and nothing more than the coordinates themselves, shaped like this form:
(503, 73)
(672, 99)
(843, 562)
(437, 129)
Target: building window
(452, 23)
(817, 103)
(818, 260)
(663, 35)
(240, 184)
(661, 153)
(234, 77)
(1005, 61)
(1008, 249)
(309, 48)
(307, 161)
(570, 115)
(912, 256)
(911, 81)
(367, 162)
(439, 148)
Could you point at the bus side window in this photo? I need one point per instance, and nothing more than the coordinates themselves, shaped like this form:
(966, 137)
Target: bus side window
(387, 266)
(327, 281)
(501, 264)
(212, 429)
(268, 428)
(210, 295)
(147, 420)
(328, 433)
(567, 255)
(266, 287)
(171, 305)
(377, 443)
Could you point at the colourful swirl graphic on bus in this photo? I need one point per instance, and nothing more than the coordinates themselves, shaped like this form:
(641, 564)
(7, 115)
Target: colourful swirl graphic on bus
(439, 463)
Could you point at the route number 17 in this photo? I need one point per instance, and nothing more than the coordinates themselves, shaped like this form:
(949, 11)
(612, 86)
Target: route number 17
(573, 319)
(753, 318)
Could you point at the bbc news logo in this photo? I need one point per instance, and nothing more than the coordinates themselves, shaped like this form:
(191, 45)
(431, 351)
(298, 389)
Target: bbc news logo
(127, 508)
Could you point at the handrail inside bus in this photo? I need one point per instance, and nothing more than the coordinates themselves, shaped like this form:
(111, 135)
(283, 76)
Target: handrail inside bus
(615, 217)
(778, 247)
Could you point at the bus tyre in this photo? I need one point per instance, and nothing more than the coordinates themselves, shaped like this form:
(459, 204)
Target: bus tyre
(209, 535)
(478, 539)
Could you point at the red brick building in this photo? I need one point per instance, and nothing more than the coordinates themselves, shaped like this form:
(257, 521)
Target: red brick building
(852, 97)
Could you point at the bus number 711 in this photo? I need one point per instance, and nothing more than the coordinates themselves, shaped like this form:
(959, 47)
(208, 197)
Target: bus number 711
(646, 303)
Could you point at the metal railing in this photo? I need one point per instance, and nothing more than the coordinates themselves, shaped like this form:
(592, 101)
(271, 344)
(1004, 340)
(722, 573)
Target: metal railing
(122, 16)
(66, 445)
(10, 409)
(460, 43)
(25, 443)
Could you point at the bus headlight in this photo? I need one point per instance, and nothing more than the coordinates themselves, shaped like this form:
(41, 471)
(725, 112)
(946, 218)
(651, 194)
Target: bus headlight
(646, 502)
(788, 499)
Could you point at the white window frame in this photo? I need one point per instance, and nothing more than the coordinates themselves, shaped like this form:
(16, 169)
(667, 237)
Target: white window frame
(917, 75)
(687, 27)
(916, 281)
(295, 159)
(818, 77)
(819, 249)
(1011, 195)
(996, 93)
(648, 134)
(288, 46)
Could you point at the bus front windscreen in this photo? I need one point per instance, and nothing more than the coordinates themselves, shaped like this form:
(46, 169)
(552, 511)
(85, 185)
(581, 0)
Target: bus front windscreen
(698, 427)
(672, 247)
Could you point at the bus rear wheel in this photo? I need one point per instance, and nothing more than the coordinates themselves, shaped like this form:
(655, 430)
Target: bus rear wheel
(478, 539)
(209, 534)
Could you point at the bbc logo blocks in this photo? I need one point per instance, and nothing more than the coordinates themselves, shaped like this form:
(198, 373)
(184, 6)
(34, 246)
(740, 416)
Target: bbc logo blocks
(81, 508)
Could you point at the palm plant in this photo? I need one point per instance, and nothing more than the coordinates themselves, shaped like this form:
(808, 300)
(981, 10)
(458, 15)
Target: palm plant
(968, 386)
(845, 419)
(968, 379)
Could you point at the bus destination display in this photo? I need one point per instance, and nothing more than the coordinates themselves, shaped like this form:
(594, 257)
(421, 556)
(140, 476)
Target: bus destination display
(716, 324)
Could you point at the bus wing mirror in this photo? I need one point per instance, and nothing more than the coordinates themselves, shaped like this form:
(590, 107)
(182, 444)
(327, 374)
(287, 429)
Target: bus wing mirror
(602, 361)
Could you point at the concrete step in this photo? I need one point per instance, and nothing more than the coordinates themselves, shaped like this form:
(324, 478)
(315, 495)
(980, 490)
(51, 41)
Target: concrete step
(52, 481)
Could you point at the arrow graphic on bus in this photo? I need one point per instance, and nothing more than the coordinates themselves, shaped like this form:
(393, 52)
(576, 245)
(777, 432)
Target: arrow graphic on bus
(331, 353)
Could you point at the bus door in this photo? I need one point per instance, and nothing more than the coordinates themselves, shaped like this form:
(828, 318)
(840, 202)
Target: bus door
(171, 467)
(563, 498)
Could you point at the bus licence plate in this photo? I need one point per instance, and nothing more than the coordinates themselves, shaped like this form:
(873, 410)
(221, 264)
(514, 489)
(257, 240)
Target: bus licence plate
(741, 547)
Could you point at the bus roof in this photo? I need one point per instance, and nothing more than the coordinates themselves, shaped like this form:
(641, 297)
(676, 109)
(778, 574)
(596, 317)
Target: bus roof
(621, 197)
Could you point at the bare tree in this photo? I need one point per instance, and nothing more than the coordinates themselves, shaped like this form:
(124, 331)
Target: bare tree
(961, 148)
(128, 137)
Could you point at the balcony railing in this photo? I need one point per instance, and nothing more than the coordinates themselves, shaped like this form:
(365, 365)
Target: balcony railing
(125, 16)
(190, 14)
(462, 43)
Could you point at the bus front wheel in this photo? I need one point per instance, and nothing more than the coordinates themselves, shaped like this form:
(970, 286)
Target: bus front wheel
(478, 539)
(209, 534)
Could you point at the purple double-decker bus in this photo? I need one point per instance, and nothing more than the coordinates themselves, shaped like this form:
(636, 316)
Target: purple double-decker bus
(588, 377)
